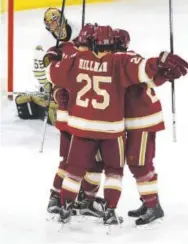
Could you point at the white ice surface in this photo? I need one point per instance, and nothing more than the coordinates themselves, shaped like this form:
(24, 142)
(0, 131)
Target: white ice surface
(26, 175)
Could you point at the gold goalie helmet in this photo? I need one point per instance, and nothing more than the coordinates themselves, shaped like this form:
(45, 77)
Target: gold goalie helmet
(52, 23)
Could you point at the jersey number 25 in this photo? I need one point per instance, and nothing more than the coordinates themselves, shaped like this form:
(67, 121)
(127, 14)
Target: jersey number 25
(94, 82)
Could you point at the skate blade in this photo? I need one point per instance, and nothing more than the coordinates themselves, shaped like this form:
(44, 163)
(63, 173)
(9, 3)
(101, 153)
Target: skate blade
(153, 225)
(112, 230)
(64, 227)
(52, 217)
(77, 224)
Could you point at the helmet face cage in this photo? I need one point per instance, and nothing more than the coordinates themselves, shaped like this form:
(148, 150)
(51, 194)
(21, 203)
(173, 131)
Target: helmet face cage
(52, 22)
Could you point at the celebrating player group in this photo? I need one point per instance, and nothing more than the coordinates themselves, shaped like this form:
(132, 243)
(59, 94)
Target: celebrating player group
(108, 114)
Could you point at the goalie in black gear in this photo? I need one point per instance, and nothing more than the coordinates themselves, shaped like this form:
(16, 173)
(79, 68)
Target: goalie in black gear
(33, 106)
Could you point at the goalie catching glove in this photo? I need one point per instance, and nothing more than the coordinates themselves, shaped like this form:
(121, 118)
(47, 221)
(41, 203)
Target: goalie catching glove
(172, 66)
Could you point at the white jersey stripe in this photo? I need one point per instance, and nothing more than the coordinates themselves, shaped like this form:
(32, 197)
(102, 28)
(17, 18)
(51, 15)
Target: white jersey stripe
(143, 122)
(100, 126)
(142, 75)
(62, 116)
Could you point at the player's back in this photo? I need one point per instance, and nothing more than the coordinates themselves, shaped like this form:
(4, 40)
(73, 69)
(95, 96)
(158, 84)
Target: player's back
(96, 99)
(143, 109)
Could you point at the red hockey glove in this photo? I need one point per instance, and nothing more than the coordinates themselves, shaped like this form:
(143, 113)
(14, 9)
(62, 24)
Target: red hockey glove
(169, 74)
(54, 53)
(172, 66)
(61, 96)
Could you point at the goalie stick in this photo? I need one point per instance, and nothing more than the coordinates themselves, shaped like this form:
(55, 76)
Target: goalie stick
(172, 81)
(31, 94)
(57, 44)
(83, 12)
(50, 91)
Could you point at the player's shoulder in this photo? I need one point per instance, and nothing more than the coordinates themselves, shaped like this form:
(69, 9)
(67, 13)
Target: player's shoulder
(67, 45)
(68, 48)
(129, 56)
(85, 53)
(128, 53)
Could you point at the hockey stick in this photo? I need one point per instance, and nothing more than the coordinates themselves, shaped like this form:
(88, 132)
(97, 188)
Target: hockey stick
(50, 91)
(83, 12)
(45, 120)
(31, 94)
(61, 23)
(172, 81)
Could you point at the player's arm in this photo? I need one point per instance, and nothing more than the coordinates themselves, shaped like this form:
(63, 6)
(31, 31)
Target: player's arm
(39, 70)
(154, 71)
(59, 72)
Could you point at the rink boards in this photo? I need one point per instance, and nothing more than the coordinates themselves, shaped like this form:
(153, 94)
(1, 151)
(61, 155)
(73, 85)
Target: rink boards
(24, 5)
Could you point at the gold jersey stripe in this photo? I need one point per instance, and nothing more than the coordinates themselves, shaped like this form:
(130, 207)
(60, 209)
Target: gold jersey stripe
(61, 173)
(147, 182)
(112, 187)
(148, 193)
(88, 177)
(143, 147)
(121, 151)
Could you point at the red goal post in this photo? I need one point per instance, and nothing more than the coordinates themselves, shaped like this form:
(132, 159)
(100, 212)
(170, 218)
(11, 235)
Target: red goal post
(10, 6)
(10, 47)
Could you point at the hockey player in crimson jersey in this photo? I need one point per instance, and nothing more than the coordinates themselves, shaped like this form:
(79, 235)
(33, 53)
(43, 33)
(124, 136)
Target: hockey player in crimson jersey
(143, 118)
(91, 181)
(97, 111)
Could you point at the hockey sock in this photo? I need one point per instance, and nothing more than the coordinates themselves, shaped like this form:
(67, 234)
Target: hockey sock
(91, 184)
(70, 188)
(147, 187)
(112, 190)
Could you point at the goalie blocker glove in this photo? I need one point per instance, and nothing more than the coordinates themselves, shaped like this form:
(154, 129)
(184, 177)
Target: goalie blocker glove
(172, 66)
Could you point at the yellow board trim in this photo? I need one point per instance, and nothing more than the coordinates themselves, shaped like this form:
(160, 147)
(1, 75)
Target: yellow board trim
(25, 5)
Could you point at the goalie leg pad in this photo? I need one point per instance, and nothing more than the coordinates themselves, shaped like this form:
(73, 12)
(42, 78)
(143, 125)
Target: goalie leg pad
(26, 108)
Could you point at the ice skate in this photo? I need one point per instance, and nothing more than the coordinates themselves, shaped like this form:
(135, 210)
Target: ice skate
(66, 212)
(53, 207)
(93, 208)
(54, 203)
(78, 202)
(138, 212)
(151, 216)
(110, 217)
